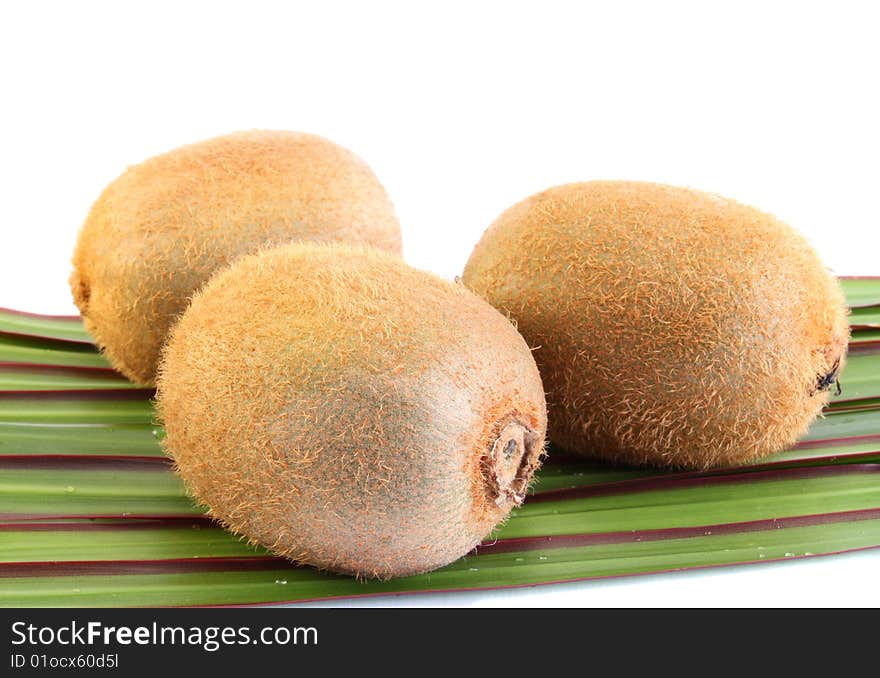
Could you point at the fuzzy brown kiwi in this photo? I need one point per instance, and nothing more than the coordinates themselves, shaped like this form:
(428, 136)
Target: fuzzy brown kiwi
(675, 327)
(349, 412)
(158, 232)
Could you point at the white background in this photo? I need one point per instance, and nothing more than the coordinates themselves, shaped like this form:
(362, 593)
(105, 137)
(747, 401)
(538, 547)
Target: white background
(461, 109)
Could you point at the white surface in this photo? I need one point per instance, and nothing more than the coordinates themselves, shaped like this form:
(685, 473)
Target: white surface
(463, 109)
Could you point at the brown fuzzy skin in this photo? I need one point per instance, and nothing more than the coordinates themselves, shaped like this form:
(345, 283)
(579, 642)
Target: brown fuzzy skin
(676, 328)
(339, 407)
(159, 231)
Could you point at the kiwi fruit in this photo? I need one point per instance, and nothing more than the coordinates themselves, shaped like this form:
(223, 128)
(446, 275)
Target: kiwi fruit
(349, 412)
(158, 232)
(672, 327)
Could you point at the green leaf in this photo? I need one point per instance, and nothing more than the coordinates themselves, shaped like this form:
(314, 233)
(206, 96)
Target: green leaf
(860, 377)
(568, 474)
(865, 317)
(77, 409)
(861, 291)
(699, 501)
(839, 425)
(14, 349)
(38, 492)
(854, 405)
(124, 540)
(861, 337)
(241, 582)
(55, 378)
(35, 438)
(843, 451)
(67, 328)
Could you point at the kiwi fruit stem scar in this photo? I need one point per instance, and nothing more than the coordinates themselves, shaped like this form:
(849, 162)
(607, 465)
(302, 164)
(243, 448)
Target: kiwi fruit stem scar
(509, 464)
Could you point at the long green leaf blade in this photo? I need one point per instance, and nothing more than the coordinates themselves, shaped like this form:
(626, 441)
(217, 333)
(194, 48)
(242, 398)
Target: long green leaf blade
(865, 318)
(37, 492)
(238, 584)
(66, 328)
(125, 407)
(15, 349)
(55, 378)
(861, 291)
(860, 378)
(839, 425)
(95, 439)
(863, 337)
